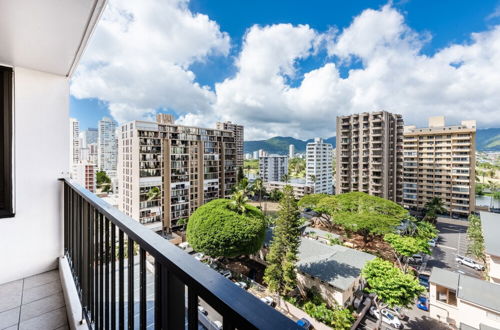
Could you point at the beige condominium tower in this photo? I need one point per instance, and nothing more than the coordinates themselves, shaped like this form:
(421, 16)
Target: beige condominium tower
(166, 170)
(369, 154)
(239, 134)
(439, 161)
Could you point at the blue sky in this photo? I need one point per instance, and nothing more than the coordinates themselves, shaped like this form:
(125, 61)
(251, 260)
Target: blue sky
(442, 24)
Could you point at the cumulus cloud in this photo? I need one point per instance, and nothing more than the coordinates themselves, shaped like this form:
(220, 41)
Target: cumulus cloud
(269, 93)
(138, 59)
(460, 81)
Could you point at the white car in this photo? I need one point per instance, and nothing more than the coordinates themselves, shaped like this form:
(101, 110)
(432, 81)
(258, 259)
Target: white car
(469, 263)
(242, 285)
(199, 256)
(387, 317)
(202, 310)
(267, 300)
(433, 242)
(218, 324)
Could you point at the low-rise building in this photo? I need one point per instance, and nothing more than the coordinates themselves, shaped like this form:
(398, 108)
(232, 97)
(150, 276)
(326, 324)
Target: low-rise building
(463, 301)
(299, 189)
(490, 224)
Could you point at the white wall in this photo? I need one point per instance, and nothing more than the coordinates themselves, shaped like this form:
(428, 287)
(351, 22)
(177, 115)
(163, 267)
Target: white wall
(31, 241)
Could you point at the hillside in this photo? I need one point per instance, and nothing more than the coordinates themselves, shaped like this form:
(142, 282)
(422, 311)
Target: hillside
(487, 139)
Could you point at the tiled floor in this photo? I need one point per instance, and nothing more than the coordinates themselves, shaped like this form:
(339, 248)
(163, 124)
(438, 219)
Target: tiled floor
(36, 302)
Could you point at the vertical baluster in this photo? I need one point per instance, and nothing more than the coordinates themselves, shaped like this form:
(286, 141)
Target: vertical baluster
(66, 217)
(160, 292)
(121, 280)
(101, 271)
(130, 253)
(85, 260)
(192, 309)
(106, 270)
(91, 248)
(96, 267)
(143, 285)
(113, 276)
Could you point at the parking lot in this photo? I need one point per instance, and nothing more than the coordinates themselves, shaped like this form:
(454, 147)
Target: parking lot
(452, 242)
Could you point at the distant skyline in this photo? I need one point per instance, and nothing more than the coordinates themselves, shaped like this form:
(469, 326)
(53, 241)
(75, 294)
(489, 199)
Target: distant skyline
(289, 68)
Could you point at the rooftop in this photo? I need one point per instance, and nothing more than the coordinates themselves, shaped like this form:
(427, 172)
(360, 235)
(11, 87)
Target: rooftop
(490, 223)
(335, 264)
(470, 289)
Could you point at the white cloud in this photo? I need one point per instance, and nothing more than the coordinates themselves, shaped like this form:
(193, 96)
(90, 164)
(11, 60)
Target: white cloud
(460, 81)
(138, 59)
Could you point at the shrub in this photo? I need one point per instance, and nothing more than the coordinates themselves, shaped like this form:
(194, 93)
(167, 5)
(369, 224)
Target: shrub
(218, 231)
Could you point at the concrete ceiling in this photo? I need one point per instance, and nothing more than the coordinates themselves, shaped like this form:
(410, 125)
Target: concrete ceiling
(46, 35)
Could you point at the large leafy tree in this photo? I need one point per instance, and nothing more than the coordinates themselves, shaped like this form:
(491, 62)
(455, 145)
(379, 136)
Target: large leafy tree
(391, 286)
(280, 274)
(321, 204)
(365, 214)
(218, 230)
(406, 246)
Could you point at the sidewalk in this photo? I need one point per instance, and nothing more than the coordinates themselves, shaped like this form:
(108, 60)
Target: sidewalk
(298, 313)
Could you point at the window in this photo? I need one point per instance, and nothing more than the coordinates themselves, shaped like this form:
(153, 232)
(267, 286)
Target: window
(6, 198)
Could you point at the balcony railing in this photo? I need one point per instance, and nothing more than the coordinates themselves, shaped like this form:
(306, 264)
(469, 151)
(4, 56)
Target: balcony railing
(102, 245)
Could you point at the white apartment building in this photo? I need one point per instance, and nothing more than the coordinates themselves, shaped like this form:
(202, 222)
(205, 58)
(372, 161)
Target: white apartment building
(255, 154)
(319, 172)
(74, 141)
(291, 151)
(273, 167)
(107, 146)
(166, 171)
(85, 174)
(299, 189)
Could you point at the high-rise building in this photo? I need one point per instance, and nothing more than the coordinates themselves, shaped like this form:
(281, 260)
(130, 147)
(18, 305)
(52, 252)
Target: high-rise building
(439, 161)
(74, 142)
(369, 154)
(89, 136)
(319, 170)
(107, 153)
(239, 134)
(85, 174)
(166, 171)
(273, 167)
(255, 154)
(291, 151)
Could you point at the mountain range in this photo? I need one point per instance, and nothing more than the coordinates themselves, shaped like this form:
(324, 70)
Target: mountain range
(487, 139)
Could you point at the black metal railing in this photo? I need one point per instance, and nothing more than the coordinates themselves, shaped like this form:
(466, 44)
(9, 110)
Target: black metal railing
(109, 254)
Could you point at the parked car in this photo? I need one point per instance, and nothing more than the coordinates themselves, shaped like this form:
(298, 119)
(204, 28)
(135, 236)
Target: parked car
(268, 301)
(226, 273)
(416, 259)
(199, 256)
(469, 262)
(398, 311)
(242, 285)
(218, 324)
(387, 317)
(423, 303)
(424, 280)
(202, 310)
(433, 242)
(304, 323)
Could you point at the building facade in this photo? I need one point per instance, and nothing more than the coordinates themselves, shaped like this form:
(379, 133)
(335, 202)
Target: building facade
(74, 142)
(319, 172)
(273, 167)
(299, 189)
(107, 146)
(166, 171)
(369, 154)
(439, 161)
(85, 174)
(239, 136)
(291, 151)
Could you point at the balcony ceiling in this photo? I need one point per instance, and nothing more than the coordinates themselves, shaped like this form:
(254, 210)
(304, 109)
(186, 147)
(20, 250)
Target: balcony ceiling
(46, 35)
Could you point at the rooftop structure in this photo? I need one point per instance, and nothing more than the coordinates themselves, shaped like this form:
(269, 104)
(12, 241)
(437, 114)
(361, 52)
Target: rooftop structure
(490, 225)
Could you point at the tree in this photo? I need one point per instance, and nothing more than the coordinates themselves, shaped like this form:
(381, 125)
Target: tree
(276, 195)
(258, 187)
(406, 246)
(241, 175)
(102, 177)
(218, 231)
(153, 193)
(183, 222)
(239, 201)
(280, 274)
(319, 203)
(364, 214)
(433, 207)
(391, 286)
(476, 239)
(285, 178)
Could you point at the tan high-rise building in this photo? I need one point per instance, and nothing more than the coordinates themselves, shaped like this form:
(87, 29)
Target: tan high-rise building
(439, 161)
(369, 154)
(166, 170)
(239, 137)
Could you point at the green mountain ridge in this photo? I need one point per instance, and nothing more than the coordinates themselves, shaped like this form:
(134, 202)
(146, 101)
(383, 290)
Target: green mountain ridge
(487, 139)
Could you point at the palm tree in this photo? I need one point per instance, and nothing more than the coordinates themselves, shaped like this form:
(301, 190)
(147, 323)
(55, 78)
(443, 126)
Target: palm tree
(494, 189)
(239, 201)
(434, 207)
(285, 178)
(258, 187)
(153, 193)
(313, 178)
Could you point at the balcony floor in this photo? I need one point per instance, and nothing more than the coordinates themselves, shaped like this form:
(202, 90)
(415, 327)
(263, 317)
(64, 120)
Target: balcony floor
(35, 302)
